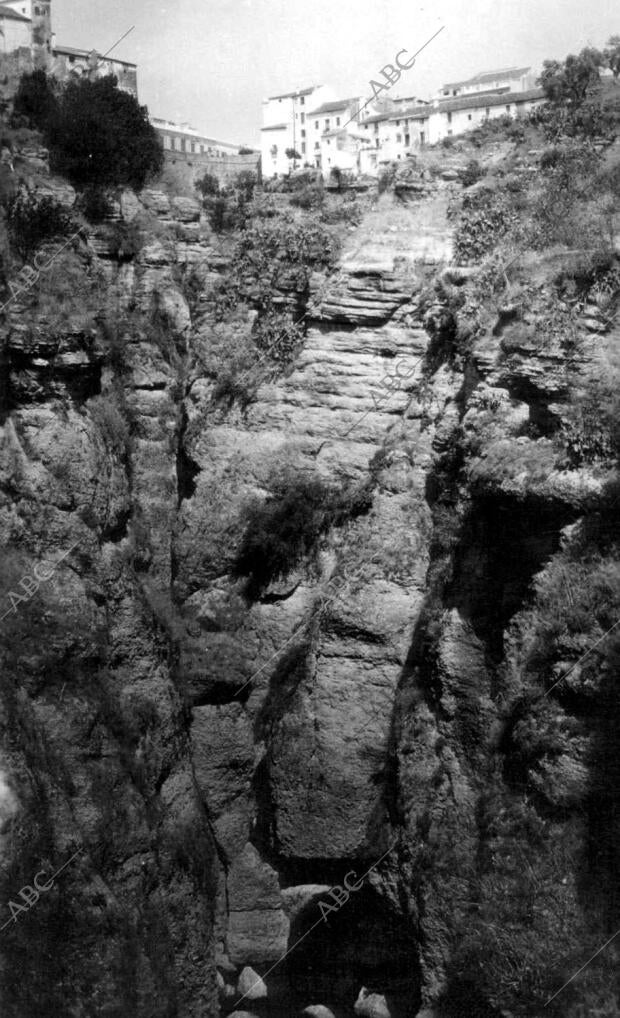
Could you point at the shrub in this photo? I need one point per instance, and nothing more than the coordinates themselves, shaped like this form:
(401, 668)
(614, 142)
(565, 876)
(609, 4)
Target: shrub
(245, 151)
(36, 100)
(219, 215)
(101, 136)
(335, 177)
(111, 423)
(348, 210)
(281, 253)
(32, 219)
(126, 240)
(208, 185)
(485, 217)
(387, 178)
(283, 530)
(95, 203)
(277, 336)
(310, 197)
(472, 173)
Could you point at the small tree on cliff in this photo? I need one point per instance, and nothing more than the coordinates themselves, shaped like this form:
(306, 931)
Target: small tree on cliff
(101, 137)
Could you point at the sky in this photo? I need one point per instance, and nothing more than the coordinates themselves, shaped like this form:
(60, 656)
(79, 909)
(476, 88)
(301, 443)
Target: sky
(210, 63)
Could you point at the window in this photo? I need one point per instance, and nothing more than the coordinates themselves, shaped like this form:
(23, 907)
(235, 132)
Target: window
(469, 116)
(407, 140)
(487, 112)
(183, 145)
(508, 109)
(399, 139)
(377, 142)
(421, 137)
(303, 133)
(316, 145)
(337, 121)
(303, 118)
(450, 134)
(398, 123)
(316, 125)
(327, 125)
(303, 148)
(303, 101)
(449, 118)
(193, 147)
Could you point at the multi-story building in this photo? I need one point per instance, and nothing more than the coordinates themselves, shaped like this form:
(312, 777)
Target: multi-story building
(68, 63)
(26, 24)
(331, 127)
(356, 136)
(456, 116)
(185, 140)
(26, 30)
(286, 127)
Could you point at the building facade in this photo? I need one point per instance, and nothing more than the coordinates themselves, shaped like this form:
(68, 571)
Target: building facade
(26, 27)
(26, 24)
(185, 140)
(287, 125)
(456, 116)
(359, 137)
(70, 64)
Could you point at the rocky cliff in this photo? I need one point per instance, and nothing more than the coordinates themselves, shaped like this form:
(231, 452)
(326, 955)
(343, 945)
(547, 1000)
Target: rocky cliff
(382, 779)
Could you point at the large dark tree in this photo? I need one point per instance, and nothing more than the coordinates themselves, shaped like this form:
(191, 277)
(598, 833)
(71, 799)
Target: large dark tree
(36, 99)
(101, 136)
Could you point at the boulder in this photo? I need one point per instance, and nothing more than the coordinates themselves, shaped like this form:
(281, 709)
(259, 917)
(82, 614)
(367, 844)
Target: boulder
(250, 985)
(371, 1005)
(317, 1011)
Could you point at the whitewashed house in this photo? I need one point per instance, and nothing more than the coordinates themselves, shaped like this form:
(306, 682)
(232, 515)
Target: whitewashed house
(286, 126)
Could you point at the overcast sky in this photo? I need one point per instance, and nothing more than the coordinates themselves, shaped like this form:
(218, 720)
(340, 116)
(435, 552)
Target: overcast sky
(211, 62)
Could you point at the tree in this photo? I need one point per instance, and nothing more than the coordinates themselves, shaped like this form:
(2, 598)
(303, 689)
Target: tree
(101, 136)
(572, 81)
(612, 55)
(292, 153)
(36, 99)
(208, 185)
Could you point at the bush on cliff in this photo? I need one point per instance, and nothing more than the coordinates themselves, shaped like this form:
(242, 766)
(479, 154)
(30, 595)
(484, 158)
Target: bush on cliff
(32, 219)
(284, 529)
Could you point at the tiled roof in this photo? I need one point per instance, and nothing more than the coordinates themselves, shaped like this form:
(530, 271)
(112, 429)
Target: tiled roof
(300, 91)
(71, 51)
(412, 113)
(480, 79)
(333, 107)
(472, 102)
(378, 118)
(11, 15)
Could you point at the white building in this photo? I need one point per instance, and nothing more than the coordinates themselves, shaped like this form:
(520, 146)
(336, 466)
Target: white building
(456, 116)
(186, 140)
(286, 126)
(509, 79)
(25, 24)
(338, 117)
(15, 30)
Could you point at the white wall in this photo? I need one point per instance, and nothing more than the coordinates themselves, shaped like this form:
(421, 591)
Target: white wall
(16, 34)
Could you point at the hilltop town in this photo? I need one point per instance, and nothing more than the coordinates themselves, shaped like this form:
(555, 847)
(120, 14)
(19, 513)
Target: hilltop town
(313, 128)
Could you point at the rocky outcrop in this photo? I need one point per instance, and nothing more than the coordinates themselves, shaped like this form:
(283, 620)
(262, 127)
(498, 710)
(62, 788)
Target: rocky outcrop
(367, 737)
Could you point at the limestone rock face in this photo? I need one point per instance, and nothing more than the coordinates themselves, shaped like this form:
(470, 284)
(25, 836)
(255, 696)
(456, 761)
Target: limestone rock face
(225, 760)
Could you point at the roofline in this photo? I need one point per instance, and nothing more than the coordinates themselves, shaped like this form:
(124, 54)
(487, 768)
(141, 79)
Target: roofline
(72, 51)
(293, 95)
(511, 71)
